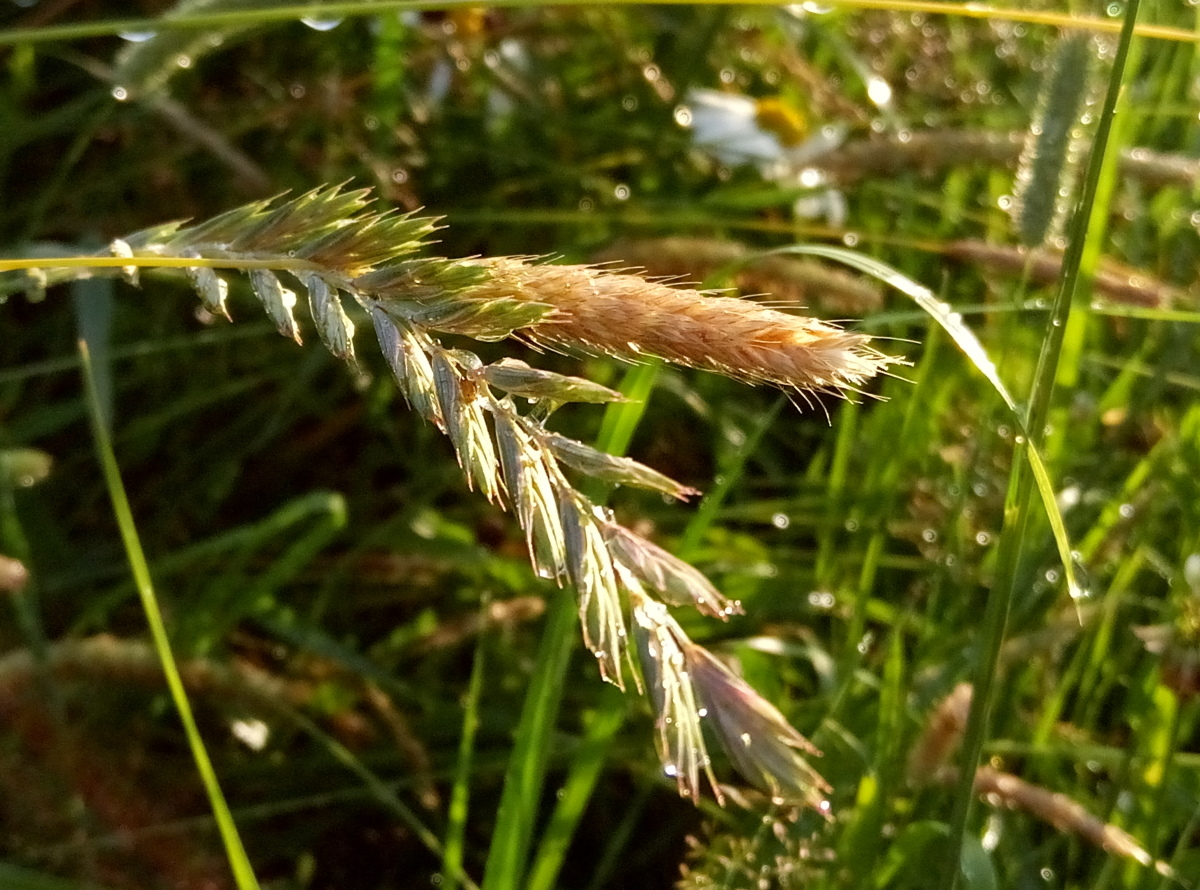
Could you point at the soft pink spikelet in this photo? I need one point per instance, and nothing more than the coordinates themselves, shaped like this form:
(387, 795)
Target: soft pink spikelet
(631, 318)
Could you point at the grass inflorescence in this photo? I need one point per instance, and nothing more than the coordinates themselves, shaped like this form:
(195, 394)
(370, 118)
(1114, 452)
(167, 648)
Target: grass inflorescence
(604, 336)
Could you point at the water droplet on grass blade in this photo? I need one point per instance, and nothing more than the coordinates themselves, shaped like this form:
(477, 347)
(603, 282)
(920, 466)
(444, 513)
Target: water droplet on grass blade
(318, 24)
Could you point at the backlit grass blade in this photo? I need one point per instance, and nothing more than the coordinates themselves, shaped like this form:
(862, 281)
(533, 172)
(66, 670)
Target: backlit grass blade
(523, 780)
(1017, 501)
(238, 861)
(966, 341)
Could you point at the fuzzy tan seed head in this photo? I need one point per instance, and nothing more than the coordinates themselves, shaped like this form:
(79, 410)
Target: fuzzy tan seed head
(631, 318)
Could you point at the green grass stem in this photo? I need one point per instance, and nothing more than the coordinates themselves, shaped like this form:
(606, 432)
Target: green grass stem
(454, 847)
(239, 863)
(351, 8)
(1016, 513)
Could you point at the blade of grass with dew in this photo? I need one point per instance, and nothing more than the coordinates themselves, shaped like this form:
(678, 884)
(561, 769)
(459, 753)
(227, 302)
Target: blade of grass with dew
(966, 341)
(239, 863)
(358, 8)
(1016, 508)
(454, 846)
(522, 793)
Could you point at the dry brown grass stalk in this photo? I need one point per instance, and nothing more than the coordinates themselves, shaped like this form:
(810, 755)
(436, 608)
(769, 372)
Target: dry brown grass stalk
(929, 762)
(628, 317)
(1112, 281)
(1065, 814)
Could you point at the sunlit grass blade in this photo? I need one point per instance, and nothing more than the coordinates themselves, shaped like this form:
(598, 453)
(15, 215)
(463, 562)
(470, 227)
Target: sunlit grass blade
(966, 341)
(582, 776)
(523, 780)
(454, 847)
(1017, 501)
(238, 861)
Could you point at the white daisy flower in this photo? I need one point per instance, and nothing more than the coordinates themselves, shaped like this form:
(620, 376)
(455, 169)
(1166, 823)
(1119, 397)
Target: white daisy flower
(772, 136)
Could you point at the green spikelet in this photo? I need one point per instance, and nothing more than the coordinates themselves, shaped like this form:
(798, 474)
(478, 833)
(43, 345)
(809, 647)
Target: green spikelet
(1046, 171)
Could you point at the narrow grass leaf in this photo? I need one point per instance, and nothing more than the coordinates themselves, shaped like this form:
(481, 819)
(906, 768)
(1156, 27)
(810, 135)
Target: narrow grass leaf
(454, 847)
(524, 778)
(966, 341)
(239, 863)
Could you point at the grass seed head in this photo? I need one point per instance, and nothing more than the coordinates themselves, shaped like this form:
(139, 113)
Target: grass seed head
(628, 317)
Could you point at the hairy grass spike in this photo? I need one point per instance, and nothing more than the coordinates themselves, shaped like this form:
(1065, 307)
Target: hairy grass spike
(1046, 170)
(631, 318)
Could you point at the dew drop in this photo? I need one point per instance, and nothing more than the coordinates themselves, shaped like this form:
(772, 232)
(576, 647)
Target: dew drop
(120, 93)
(621, 192)
(1191, 571)
(137, 36)
(780, 520)
(318, 24)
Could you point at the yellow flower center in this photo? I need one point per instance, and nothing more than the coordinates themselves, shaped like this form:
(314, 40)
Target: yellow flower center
(784, 121)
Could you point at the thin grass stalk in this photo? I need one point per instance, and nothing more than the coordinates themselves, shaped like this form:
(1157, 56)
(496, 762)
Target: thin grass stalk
(1016, 508)
(354, 8)
(706, 513)
(454, 845)
(379, 789)
(239, 863)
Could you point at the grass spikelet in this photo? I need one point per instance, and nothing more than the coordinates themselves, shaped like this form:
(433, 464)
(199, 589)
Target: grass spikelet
(763, 746)
(631, 318)
(277, 300)
(333, 325)
(675, 582)
(679, 737)
(590, 568)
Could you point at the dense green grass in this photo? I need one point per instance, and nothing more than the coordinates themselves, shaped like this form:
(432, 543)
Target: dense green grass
(325, 575)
